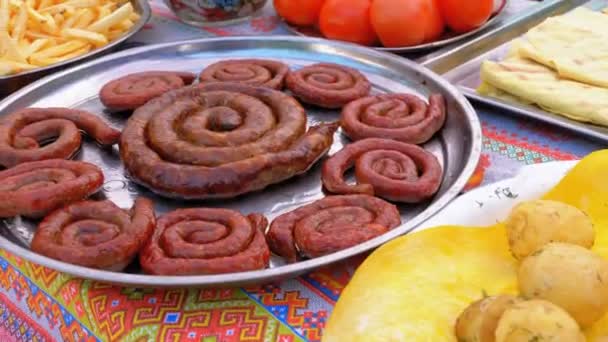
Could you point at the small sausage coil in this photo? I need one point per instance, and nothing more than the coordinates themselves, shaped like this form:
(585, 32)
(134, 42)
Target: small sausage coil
(95, 234)
(206, 241)
(328, 85)
(385, 168)
(220, 140)
(134, 90)
(34, 189)
(401, 117)
(253, 72)
(331, 224)
(23, 132)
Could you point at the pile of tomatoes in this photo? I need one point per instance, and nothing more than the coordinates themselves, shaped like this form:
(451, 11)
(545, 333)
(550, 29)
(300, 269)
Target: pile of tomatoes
(393, 23)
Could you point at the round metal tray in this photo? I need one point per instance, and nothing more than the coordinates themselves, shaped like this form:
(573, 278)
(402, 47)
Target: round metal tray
(458, 145)
(447, 38)
(11, 83)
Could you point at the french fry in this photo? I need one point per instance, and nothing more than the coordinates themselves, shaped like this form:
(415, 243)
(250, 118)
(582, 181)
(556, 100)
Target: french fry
(38, 35)
(52, 60)
(49, 25)
(44, 4)
(59, 50)
(6, 69)
(103, 11)
(11, 50)
(87, 17)
(116, 17)
(66, 6)
(16, 65)
(20, 22)
(70, 21)
(125, 24)
(59, 19)
(114, 34)
(16, 4)
(35, 46)
(90, 36)
(35, 14)
(4, 15)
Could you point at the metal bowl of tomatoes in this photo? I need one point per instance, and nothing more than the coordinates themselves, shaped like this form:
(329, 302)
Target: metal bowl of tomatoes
(399, 26)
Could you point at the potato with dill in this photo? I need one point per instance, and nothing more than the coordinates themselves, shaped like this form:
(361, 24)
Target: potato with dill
(538, 321)
(37, 33)
(570, 276)
(533, 224)
(479, 320)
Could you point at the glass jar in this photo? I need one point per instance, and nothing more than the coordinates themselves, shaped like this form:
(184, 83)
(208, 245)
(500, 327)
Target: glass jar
(214, 12)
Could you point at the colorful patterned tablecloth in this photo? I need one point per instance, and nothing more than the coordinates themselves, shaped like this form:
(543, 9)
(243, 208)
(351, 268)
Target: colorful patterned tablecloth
(39, 304)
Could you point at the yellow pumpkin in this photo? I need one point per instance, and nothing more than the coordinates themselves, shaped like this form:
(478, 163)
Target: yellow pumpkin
(415, 287)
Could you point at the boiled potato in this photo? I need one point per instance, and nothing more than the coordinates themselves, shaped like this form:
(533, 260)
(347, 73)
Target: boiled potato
(533, 224)
(570, 276)
(538, 321)
(479, 320)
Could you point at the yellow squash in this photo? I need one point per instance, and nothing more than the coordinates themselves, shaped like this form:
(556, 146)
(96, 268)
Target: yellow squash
(414, 288)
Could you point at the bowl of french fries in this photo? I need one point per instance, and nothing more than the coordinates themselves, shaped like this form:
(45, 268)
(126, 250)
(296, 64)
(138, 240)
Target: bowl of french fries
(38, 37)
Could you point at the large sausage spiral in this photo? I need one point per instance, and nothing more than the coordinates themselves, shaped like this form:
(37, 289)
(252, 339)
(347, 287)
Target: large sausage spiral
(220, 140)
(33, 189)
(95, 234)
(331, 224)
(401, 117)
(134, 90)
(206, 241)
(253, 72)
(328, 85)
(386, 168)
(23, 132)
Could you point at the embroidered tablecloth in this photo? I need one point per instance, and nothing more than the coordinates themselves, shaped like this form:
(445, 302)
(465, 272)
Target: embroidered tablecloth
(39, 304)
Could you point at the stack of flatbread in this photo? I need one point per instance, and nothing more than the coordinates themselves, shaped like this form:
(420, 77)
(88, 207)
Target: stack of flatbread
(561, 66)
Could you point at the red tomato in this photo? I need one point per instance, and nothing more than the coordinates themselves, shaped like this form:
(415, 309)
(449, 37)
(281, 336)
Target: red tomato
(437, 24)
(463, 16)
(347, 20)
(299, 12)
(406, 22)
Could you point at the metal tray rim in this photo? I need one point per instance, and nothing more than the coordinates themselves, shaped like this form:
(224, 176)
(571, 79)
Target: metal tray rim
(285, 271)
(466, 77)
(592, 131)
(145, 14)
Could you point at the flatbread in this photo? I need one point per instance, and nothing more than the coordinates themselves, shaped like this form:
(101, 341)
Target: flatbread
(574, 45)
(535, 83)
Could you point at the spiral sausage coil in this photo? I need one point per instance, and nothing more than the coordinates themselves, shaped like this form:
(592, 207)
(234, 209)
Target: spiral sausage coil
(331, 224)
(220, 140)
(389, 169)
(327, 85)
(206, 241)
(95, 234)
(23, 134)
(134, 90)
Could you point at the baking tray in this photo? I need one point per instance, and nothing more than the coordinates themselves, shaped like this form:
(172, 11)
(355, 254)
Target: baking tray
(467, 78)
(445, 40)
(458, 145)
(507, 29)
(11, 83)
